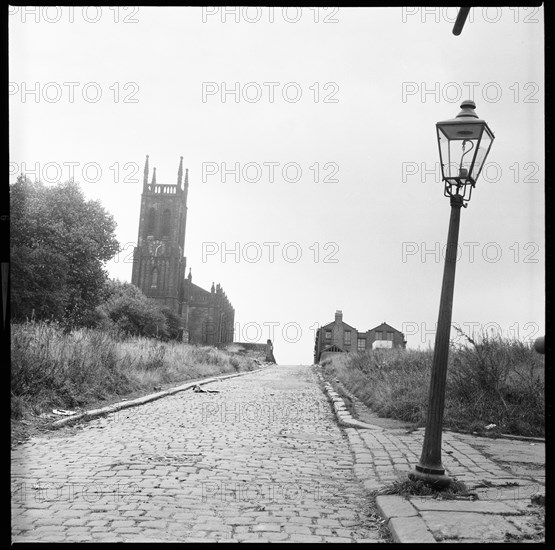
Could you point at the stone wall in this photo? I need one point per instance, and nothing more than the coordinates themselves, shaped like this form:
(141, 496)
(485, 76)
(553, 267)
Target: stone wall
(267, 349)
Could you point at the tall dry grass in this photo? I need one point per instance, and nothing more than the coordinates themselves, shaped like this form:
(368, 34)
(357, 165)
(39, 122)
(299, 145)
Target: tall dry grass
(489, 381)
(52, 368)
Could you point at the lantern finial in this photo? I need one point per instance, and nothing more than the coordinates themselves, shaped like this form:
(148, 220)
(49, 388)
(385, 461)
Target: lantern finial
(468, 107)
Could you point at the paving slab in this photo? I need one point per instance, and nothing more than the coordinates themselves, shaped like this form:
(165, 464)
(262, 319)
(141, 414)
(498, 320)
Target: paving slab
(460, 525)
(410, 530)
(393, 506)
(483, 506)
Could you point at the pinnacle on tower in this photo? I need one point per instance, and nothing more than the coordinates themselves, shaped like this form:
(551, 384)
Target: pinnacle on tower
(180, 172)
(145, 178)
(154, 176)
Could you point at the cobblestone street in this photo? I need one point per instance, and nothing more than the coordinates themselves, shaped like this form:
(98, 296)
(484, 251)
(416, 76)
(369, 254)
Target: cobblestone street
(262, 460)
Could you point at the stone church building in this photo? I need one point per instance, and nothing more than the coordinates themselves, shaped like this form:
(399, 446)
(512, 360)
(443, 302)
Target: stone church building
(159, 264)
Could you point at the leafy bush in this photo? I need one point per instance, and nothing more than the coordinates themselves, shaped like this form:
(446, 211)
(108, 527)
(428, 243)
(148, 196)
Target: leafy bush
(128, 310)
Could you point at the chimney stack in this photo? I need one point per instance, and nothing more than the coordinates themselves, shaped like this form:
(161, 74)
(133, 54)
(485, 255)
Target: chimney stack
(338, 316)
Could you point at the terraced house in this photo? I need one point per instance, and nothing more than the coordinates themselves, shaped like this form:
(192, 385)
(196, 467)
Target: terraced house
(339, 337)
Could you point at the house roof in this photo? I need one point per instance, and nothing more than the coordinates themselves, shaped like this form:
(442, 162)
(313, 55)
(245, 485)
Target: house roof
(383, 326)
(329, 325)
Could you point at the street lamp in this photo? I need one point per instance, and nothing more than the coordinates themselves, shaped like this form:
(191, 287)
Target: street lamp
(464, 144)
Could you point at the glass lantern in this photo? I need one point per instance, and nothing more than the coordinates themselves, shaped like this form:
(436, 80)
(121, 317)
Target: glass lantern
(464, 144)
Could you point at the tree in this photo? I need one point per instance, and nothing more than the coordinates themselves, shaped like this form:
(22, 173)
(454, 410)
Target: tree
(173, 323)
(58, 247)
(128, 309)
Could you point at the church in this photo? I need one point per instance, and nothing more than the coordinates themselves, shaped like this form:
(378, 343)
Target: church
(159, 264)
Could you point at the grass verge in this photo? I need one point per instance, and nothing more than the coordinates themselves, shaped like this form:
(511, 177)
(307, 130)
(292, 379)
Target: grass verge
(51, 368)
(493, 386)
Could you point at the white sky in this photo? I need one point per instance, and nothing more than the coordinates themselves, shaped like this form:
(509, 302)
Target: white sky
(393, 73)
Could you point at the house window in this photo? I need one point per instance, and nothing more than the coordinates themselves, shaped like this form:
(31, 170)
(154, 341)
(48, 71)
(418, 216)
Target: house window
(390, 335)
(328, 334)
(347, 338)
(379, 335)
(361, 344)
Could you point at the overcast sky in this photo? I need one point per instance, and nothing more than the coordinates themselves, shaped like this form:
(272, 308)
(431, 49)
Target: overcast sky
(310, 128)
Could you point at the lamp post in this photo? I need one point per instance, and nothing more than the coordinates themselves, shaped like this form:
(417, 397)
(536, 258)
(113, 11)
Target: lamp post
(464, 143)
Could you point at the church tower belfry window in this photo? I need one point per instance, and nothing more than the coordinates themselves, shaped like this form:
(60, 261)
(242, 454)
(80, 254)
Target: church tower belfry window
(151, 224)
(166, 223)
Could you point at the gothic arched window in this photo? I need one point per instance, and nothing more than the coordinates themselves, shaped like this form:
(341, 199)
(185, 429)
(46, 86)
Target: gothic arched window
(151, 221)
(166, 223)
(154, 279)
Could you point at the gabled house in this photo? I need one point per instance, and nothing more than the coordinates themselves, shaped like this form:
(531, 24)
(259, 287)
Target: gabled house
(385, 336)
(339, 337)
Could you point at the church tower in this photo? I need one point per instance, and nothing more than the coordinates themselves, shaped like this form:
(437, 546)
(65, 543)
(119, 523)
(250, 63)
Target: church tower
(158, 259)
(207, 317)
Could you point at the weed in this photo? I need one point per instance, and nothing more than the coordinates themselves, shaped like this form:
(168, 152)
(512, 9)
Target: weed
(408, 487)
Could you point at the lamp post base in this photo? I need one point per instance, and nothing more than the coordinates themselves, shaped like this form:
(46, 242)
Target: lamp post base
(430, 476)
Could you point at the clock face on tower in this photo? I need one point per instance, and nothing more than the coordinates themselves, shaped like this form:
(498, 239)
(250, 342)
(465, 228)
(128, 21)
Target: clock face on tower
(159, 248)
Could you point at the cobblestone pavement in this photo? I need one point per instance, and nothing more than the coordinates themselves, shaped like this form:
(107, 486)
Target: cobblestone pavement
(262, 460)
